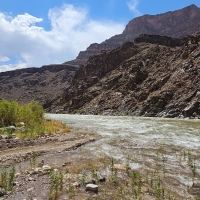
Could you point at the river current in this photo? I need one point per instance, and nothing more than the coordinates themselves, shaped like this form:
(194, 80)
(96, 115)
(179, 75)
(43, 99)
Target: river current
(148, 142)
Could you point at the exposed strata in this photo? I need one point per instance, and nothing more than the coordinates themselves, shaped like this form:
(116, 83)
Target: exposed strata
(155, 76)
(177, 24)
(47, 84)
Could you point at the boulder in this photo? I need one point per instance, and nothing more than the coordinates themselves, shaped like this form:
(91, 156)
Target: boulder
(190, 109)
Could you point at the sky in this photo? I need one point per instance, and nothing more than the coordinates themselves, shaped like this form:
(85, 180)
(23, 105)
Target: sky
(41, 32)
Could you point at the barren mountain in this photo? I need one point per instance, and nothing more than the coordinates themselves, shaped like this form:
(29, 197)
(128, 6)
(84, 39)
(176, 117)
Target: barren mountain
(43, 84)
(47, 84)
(154, 76)
(177, 24)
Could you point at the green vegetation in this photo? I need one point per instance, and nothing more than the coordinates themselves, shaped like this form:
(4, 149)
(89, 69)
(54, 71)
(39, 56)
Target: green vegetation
(56, 184)
(27, 118)
(11, 113)
(7, 178)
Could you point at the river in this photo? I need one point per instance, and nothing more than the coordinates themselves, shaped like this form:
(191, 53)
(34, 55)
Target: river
(148, 142)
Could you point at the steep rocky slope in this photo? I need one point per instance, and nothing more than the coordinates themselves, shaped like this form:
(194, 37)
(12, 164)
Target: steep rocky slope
(178, 24)
(46, 84)
(155, 76)
(43, 84)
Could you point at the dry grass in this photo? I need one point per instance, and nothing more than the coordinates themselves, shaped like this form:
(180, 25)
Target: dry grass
(46, 127)
(52, 126)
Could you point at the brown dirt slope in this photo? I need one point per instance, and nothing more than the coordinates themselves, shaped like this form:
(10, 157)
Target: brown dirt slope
(155, 76)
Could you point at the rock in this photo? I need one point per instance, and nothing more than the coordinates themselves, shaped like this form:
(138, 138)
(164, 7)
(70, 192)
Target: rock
(22, 124)
(31, 179)
(190, 109)
(92, 181)
(59, 77)
(142, 25)
(46, 167)
(76, 184)
(37, 170)
(30, 189)
(152, 82)
(137, 69)
(102, 180)
(17, 175)
(92, 188)
(2, 192)
(55, 170)
(11, 127)
(64, 164)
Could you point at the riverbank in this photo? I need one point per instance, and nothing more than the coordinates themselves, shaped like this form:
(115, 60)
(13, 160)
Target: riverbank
(20, 153)
(125, 158)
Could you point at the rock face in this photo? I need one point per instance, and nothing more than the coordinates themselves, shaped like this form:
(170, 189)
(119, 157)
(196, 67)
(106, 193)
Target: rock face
(43, 84)
(155, 76)
(46, 84)
(177, 24)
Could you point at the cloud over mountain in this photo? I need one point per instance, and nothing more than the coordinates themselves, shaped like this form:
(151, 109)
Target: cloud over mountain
(24, 43)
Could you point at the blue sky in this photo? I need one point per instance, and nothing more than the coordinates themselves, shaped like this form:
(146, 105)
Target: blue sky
(39, 32)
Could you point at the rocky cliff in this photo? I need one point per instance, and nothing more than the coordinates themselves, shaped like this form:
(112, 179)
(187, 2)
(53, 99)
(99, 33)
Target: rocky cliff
(178, 24)
(155, 76)
(44, 84)
(47, 84)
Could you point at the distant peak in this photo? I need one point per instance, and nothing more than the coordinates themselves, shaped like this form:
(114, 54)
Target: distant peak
(192, 6)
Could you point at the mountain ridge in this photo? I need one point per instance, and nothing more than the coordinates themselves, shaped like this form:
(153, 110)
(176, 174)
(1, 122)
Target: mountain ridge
(177, 24)
(156, 76)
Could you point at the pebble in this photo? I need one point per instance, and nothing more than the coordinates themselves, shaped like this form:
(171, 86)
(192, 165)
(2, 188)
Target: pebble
(31, 179)
(2, 192)
(30, 189)
(76, 184)
(46, 167)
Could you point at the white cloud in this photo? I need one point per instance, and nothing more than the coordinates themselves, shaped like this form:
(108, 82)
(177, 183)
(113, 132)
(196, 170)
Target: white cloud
(132, 4)
(4, 59)
(71, 31)
(12, 67)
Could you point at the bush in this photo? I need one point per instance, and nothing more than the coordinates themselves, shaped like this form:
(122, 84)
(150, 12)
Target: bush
(12, 113)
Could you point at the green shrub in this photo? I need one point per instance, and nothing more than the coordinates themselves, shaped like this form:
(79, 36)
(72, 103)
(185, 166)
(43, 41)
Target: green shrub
(12, 113)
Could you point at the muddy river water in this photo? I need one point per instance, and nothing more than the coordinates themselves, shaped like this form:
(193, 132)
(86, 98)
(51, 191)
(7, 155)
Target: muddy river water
(150, 144)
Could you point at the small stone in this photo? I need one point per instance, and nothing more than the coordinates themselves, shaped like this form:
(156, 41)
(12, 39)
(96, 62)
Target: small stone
(76, 184)
(30, 179)
(2, 192)
(21, 123)
(64, 164)
(92, 188)
(101, 180)
(17, 175)
(46, 167)
(36, 171)
(55, 170)
(30, 189)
